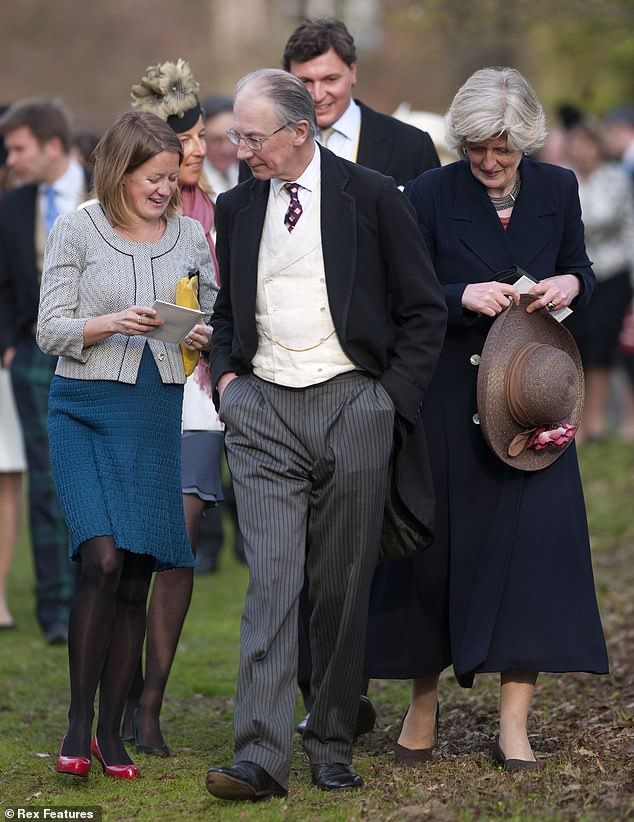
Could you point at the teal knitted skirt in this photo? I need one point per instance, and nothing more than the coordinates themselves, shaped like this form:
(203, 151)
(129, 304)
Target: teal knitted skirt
(116, 463)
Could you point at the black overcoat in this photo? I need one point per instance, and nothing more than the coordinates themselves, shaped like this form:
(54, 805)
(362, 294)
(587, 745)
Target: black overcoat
(19, 274)
(508, 582)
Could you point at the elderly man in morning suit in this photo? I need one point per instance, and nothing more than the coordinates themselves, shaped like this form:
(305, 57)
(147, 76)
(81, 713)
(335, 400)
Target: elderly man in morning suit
(327, 328)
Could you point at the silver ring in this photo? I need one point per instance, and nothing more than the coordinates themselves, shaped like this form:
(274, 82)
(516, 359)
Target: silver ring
(551, 306)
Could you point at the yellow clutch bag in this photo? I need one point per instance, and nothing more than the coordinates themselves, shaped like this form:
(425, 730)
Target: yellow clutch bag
(187, 296)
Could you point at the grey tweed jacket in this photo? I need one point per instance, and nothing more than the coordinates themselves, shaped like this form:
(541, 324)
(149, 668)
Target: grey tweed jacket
(90, 270)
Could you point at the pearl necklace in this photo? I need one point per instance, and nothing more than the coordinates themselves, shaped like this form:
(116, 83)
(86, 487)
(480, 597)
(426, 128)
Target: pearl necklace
(502, 203)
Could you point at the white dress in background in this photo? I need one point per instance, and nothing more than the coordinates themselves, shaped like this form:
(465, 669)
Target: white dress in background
(12, 457)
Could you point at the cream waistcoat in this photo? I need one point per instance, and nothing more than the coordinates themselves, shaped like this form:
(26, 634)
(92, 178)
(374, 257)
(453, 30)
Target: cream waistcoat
(297, 342)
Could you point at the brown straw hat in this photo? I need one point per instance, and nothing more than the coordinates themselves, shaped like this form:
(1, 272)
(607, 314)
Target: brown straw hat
(530, 387)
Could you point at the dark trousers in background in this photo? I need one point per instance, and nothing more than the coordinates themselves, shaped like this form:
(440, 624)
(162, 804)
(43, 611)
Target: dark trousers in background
(212, 532)
(55, 574)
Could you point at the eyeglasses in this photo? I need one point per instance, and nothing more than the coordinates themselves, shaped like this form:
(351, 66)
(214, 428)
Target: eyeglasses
(252, 143)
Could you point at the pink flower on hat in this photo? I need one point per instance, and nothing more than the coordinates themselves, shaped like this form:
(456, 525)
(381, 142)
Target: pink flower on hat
(556, 435)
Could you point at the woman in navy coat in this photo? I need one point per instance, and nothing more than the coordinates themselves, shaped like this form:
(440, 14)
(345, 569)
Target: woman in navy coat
(507, 585)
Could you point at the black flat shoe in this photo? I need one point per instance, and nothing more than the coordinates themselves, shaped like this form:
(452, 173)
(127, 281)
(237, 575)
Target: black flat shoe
(244, 781)
(512, 765)
(161, 751)
(333, 776)
(410, 757)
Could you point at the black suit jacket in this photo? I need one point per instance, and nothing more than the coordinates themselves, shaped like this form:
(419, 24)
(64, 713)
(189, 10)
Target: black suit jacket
(19, 272)
(387, 145)
(394, 148)
(19, 275)
(384, 297)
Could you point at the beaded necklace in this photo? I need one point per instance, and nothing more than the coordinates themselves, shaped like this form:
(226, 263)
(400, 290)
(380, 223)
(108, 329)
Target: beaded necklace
(502, 203)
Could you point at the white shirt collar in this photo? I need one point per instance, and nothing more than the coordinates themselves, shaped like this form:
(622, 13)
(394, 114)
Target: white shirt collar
(308, 179)
(71, 183)
(350, 122)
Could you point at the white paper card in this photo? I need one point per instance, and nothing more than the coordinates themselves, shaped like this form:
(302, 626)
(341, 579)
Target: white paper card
(524, 285)
(178, 320)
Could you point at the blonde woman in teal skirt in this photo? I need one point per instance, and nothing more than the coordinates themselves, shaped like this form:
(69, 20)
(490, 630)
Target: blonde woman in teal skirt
(115, 414)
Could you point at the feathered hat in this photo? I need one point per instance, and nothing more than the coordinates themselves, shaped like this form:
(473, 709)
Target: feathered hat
(169, 91)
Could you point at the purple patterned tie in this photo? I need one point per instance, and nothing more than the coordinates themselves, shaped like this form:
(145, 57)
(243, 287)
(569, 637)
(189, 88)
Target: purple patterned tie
(294, 207)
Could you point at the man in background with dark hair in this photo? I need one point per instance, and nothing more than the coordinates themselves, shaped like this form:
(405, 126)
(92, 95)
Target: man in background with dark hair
(37, 137)
(322, 54)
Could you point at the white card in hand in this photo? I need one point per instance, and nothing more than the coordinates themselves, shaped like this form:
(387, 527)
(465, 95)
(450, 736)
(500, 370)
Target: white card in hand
(524, 285)
(178, 321)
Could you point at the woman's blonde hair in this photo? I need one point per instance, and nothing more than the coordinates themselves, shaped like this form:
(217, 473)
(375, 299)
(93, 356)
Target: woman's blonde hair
(133, 139)
(496, 102)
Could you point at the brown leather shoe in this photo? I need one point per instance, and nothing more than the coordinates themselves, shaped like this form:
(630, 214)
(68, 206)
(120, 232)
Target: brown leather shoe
(410, 757)
(512, 765)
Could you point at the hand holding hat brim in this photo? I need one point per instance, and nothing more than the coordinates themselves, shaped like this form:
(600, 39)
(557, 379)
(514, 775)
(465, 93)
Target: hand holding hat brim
(530, 362)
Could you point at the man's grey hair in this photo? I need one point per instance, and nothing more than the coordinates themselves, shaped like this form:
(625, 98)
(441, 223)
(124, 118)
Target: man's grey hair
(286, 92)
(496, 102)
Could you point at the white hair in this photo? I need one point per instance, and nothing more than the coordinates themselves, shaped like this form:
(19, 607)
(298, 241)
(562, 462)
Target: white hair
(496, 102)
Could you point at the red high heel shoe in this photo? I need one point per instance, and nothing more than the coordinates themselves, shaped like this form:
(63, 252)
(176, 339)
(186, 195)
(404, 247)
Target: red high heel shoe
(75, 765)
(116, 771)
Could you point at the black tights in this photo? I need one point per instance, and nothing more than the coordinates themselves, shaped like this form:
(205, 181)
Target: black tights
(105, 635)
(169, 603)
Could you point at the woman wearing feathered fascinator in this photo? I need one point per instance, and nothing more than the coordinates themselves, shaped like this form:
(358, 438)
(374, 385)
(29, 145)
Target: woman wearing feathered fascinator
(170, 91)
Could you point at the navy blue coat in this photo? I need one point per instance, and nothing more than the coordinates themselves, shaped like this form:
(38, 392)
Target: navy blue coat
(508, 582)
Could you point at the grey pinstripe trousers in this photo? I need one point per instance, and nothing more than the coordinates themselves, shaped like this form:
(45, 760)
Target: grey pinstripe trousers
(309, 470)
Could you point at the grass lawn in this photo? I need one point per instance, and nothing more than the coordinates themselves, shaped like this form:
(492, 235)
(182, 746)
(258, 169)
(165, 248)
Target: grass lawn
(582, 727)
